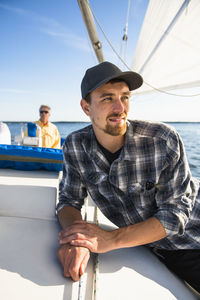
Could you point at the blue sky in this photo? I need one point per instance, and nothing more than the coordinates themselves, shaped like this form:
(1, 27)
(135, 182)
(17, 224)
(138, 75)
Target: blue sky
(45, 51)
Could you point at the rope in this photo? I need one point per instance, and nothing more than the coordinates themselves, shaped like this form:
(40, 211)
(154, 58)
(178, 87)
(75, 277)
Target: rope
(169, 93)
(82, 280)
(96, 261)
(121, 59)
(80, 289)
(125, 36)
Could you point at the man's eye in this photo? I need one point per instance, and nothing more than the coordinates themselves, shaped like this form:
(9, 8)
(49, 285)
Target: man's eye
(124, 98)
(107, 99)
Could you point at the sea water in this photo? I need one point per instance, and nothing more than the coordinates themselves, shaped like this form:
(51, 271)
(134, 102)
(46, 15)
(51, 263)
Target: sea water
(189, 132)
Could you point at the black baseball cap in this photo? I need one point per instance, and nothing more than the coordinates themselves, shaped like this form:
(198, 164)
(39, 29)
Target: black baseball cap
(104, 72)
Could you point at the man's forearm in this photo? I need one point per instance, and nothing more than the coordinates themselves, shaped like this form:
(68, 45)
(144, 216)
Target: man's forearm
(99, 240)
(67, 215)
(138, 234)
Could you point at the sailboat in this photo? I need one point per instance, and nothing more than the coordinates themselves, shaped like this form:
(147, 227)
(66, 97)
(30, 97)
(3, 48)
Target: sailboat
(29, 268)
(167, 52)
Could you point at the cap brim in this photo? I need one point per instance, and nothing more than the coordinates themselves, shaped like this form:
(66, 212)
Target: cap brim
(133, 80)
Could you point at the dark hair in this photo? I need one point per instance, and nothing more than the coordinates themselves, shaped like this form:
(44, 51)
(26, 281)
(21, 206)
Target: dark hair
(88, 98)
(114, 80)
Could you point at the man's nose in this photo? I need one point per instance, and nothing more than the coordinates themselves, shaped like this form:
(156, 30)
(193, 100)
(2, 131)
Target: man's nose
(118, 106)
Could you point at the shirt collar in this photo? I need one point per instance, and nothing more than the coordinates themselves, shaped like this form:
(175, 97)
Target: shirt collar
(128, 149)
(42, 124)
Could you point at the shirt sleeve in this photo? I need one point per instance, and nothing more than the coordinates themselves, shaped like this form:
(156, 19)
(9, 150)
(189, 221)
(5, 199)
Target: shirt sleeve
(176, 189)
(56, 144)
(72, 191)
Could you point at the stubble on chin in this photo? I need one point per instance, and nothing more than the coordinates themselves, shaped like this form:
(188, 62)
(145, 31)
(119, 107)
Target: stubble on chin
(115, 130)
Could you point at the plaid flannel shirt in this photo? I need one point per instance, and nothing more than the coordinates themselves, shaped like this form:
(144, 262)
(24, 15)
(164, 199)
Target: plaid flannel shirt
(151, 177)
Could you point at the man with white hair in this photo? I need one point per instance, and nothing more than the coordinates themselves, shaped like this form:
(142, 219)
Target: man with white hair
(49, 132)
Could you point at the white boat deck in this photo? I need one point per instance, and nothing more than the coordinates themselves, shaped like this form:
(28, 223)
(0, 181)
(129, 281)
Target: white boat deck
(29, 268)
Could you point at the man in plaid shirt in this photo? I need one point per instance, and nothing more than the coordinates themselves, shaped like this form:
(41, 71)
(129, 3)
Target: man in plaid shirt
(137, 174)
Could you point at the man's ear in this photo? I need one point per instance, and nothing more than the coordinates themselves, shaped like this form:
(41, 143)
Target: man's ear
(85, 107)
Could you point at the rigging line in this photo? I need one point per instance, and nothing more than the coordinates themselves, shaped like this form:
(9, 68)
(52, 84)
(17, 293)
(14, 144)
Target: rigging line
(120, 52)
(96, 261)
(121, 59)
(127, 17)
(123, 50)
(169, 93)
(82, 280)
(125, 37)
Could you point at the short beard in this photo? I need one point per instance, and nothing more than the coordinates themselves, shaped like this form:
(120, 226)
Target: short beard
(115, 131)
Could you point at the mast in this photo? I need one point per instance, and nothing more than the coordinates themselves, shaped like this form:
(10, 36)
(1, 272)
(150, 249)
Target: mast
(90, 25)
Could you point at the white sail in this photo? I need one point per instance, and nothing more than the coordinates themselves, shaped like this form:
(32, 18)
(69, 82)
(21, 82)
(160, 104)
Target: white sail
(168, 49)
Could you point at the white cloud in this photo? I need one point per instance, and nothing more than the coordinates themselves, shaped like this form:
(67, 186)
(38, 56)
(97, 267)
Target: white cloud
(16, 10)
(15, 91)
(68, 39)
(51, 28)
(29, 92)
